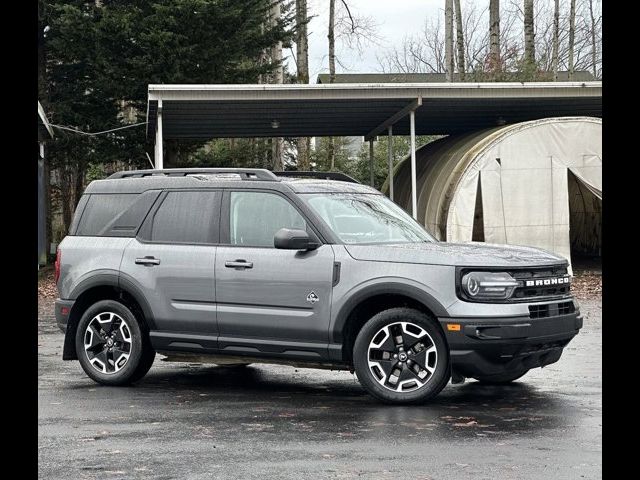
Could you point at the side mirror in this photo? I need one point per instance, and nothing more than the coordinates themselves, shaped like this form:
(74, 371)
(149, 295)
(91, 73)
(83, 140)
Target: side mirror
(289, 239)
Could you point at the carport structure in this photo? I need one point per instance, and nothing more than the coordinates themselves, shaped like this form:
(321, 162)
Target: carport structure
(292, 110)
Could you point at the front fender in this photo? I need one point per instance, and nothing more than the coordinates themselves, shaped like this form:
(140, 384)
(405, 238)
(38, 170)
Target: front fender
(383, 286)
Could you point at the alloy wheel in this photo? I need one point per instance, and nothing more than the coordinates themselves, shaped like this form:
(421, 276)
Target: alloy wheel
(107, 342)
(402, 357)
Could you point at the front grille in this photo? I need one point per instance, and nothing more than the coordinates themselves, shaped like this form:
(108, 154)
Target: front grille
(551, 309)
(546, 291)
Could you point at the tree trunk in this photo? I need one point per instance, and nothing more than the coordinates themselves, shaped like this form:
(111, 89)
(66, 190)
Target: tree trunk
(278, 77)
(332, 41)
(43, 97)
(79, 185)
(65, 197)
(302, 51)
(572, 36)
(495, 63)
(529, 45)
(171, 154)
(556, 39)
(460, 40)
(332, 73)
(594, 46)
(448, 40)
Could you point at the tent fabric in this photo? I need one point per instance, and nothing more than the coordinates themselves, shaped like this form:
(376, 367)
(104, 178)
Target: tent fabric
(523, 174)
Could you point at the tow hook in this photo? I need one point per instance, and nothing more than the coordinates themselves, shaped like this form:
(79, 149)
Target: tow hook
(456, 378)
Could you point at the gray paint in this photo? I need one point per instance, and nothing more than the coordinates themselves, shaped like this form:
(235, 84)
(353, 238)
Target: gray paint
(270, 299)
(193, 301)
(181, 289)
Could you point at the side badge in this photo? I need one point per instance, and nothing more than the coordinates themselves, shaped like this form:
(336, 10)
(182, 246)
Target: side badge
(312, 298)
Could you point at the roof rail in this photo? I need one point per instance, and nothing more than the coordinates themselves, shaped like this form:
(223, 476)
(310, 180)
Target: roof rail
(245, 173)
(319, 175)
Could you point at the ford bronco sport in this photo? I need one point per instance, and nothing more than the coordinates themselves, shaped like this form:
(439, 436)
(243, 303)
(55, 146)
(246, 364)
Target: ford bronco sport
(237, 266)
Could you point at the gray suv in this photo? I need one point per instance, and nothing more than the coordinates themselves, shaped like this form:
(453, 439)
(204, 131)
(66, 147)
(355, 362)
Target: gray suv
(238, 266)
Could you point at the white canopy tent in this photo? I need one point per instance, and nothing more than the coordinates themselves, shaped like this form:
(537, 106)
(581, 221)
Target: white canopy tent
(535, 183)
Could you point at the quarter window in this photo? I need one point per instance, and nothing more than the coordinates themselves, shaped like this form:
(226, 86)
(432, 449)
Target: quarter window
(187, 217)
(101, 211)
(255, 217)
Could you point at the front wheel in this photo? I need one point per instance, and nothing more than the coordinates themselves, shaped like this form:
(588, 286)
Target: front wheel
(112, 348)
(400, 356)
(501, 379)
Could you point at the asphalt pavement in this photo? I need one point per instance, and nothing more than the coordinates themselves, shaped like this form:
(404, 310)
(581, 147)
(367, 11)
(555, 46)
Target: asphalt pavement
(187, 421)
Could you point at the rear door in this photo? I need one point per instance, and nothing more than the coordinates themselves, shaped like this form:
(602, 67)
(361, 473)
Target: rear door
(270, 300)
(172, 261)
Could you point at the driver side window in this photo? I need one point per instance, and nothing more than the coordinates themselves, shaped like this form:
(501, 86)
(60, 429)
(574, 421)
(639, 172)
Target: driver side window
(255, 217)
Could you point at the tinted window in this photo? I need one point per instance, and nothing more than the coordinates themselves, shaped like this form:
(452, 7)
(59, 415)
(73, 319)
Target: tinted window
(255, 217)
(187, 217)
(101, 210)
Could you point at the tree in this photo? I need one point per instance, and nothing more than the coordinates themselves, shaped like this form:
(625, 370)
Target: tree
(356, 31)
(572, 36)
(425, 52)
(556, 39)
(302, 69)
(529, 39)
(332, 73)
(460, 40)
(495, 62)
(448, 40)
(594, 44)
(278, 78)
(100, 57)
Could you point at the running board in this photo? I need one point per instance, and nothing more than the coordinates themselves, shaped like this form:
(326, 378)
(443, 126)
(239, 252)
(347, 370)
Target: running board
(223, 360)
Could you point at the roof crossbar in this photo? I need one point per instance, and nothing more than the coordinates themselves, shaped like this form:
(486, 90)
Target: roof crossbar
(244, 173)
(319, 175)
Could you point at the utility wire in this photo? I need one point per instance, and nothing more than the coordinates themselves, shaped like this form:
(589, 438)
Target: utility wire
(93, 134)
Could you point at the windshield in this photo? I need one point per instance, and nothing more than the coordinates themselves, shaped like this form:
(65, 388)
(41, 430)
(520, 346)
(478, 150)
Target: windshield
(366, 218)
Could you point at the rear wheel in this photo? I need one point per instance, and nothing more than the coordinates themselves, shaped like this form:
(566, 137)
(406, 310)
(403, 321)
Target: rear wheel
(400, 356)
(502, 378)
(112, 348)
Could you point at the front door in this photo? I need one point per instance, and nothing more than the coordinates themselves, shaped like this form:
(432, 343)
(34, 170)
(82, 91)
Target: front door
(270, 300)
(172, 262)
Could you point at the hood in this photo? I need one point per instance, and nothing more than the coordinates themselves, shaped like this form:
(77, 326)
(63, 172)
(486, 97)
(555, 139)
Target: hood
(456, 254)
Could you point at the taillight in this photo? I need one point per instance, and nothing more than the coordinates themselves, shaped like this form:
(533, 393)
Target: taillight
(57, 264)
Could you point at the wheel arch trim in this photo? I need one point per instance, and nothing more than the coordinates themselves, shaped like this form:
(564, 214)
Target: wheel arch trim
(386, 287)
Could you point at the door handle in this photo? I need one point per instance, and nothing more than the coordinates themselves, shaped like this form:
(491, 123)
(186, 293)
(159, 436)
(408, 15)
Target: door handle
(148, 261)
(239, 264)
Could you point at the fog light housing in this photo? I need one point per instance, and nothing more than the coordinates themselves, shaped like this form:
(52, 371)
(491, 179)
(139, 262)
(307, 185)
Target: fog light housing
(489, 285)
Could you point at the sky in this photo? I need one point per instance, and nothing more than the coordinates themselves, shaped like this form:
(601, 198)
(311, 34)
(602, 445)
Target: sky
(396, 19)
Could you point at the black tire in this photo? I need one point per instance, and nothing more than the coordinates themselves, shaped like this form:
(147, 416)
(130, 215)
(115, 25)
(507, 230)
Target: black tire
(141, 354)
(502, 378)
(435, 382)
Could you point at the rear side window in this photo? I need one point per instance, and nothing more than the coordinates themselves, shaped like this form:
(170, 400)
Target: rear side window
(101, 210)
(187, 217)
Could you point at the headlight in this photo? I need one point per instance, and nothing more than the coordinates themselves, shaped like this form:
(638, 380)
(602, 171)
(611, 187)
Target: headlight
(489, 285)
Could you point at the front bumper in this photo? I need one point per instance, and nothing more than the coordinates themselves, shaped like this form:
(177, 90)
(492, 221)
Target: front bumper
(490, 346)
(63, 309)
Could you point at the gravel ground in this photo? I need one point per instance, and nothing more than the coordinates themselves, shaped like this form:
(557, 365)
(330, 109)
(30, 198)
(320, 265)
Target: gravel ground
(196, 422)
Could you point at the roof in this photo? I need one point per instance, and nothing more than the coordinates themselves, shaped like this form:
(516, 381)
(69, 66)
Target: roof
(138, 182)
(360, 109)
(45, 130)
(578, 76)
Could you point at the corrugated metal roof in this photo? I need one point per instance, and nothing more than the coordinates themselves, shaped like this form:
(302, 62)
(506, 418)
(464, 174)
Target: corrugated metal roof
(210, 111)
(578, 76)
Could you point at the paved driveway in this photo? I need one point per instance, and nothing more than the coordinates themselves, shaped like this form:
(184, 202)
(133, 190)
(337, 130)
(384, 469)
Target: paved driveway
(266, 422)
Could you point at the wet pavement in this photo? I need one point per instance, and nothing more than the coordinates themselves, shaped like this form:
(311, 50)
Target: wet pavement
(265, 422)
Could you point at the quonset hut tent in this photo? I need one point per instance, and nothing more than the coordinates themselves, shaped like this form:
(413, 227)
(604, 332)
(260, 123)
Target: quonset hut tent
(536, 183)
